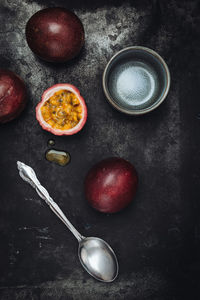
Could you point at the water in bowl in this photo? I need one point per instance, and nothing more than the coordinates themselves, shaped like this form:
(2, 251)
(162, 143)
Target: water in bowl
(133, 84)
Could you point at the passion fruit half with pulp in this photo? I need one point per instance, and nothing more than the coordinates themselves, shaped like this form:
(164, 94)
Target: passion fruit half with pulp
(62, 110)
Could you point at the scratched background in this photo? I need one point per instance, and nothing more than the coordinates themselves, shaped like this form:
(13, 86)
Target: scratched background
(157, 239)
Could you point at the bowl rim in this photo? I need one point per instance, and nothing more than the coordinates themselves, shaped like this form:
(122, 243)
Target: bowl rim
(141, 111)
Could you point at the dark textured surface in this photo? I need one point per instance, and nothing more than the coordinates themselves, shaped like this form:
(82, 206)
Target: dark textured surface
(157, 239)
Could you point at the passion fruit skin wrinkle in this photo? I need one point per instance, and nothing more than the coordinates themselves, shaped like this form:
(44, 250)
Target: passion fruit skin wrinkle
(55, 34)
(47, 94)
(12, 95)
(111, 185)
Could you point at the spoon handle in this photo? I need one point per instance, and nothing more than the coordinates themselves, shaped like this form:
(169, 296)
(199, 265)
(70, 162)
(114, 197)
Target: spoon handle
(28, 175)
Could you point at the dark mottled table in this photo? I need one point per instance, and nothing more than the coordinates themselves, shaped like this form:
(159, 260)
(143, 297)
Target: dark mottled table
(157, 238)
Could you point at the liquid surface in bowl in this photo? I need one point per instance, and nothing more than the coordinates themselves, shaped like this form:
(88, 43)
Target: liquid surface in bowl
(134, 81)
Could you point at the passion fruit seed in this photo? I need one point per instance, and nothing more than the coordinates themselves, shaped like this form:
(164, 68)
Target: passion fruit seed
(61, 158)
(51, 143)
(62, 110)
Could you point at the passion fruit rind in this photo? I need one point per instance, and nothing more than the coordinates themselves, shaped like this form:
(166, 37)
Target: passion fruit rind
(47, 95)
(12, 95)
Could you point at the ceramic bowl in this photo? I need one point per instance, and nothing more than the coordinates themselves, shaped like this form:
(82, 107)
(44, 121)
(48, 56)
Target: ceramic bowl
(136, 80)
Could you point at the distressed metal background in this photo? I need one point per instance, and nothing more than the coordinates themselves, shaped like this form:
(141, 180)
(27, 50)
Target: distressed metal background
(157, 238)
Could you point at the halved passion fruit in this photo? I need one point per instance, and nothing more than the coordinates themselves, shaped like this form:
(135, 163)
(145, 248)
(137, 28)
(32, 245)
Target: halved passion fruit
(62, 110)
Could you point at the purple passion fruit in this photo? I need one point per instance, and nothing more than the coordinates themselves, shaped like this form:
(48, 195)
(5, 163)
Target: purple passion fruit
(55, 34)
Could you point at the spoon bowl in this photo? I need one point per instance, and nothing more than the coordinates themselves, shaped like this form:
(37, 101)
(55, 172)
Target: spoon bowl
(98, 259)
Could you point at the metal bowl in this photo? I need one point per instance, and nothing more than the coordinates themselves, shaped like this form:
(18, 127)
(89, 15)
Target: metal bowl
(136, 80)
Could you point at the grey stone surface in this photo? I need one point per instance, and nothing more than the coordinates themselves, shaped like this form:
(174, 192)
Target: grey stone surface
(157, 238)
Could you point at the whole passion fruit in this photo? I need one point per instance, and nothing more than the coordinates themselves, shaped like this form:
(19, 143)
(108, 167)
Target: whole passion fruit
(111, 185)
(12, 96)
(55, 34)
(62, 110)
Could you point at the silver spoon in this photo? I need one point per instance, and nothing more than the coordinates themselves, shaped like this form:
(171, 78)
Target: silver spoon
(95, 255)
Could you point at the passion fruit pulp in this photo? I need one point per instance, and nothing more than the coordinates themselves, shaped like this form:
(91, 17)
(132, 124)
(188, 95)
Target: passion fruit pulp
(62, 110)
(55, 34)
(12, 95)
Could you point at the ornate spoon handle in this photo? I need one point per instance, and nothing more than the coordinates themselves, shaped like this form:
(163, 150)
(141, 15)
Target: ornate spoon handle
(28, 175)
